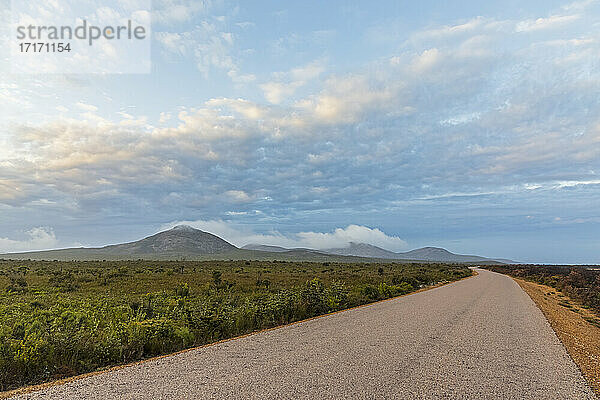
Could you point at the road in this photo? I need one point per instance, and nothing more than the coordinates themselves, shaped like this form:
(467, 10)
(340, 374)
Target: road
(479, 338)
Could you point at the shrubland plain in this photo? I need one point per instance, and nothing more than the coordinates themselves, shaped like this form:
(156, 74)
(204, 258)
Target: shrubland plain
(62, 318)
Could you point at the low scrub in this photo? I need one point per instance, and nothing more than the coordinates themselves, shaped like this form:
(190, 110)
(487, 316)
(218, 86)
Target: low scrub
(61, 319)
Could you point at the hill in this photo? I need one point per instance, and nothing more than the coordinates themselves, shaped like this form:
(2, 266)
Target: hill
(264, 247)
(433, 254)
(362, 250)
(185, 242)
(181, 239)
(439, 254)
(179, 242)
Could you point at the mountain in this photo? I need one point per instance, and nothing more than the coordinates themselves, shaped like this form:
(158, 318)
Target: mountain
(439, 254)
(179, 242)
(189, 243)
(362, 250)
(277, 249)
(264, 247)
(181, 239)
(434, 254)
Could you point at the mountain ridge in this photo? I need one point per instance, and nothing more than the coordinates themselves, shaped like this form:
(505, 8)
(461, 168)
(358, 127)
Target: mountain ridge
(358, 249)
(186, 242)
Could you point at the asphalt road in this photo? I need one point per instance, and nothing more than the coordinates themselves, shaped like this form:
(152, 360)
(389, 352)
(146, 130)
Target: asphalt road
(480, 338)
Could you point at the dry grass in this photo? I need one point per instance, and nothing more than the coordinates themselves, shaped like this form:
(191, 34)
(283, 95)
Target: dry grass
(578, 328)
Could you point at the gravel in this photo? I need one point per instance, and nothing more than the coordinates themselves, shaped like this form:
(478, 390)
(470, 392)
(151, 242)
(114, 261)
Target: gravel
(479, 338)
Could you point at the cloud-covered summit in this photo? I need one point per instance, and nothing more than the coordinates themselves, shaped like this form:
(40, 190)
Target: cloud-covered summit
(339, 237)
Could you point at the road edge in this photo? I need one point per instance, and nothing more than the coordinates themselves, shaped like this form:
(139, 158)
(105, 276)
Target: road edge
(41, 386)
(580, 338)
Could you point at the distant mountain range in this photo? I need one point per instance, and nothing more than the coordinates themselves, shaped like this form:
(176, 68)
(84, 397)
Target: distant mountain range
(370, 251)
(185, 242)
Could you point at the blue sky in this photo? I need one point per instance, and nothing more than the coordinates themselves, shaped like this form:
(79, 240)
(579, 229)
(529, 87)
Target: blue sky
(472, 126)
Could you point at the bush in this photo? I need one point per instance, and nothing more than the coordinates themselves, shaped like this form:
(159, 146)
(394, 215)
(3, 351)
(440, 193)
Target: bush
(71, 324)
(17, 285)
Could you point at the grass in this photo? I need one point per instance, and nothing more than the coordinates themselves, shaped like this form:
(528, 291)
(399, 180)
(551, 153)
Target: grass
(59, 319)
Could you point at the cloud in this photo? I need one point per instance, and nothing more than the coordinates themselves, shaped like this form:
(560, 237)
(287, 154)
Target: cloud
(568, 184)
(86, 107)
(288, 83)
(461, 119)
(335, 145)
(346, 99)
(552, 22)
(171, 12)
(339, 237)
(40, 238)
(238, 77)
(174, 42)
(276, 92)
(238, 196)
(426, 60)
(9, 190)
(208, 44)
(451, 30)
(579, 5)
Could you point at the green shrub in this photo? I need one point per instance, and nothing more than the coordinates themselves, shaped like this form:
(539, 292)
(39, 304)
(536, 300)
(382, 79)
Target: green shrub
(68, 318)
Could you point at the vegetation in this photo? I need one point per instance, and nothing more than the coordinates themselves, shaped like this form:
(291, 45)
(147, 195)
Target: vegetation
(579, 283)
(65, 318)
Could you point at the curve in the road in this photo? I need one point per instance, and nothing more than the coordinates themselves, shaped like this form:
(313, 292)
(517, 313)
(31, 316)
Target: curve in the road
(480, 338)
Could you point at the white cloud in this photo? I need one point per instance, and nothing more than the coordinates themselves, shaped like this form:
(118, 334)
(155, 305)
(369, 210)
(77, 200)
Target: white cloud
(461, 119)
(276, 92)
(173, 42)
(9, 190)
(347, 99)
(209, 45)
(86, 107)
(555, 21)
(171, 12)
(238, 77)
(287, 83)
(245, 24)
(450, 30)
(426, 60)
(238, 196)
(164, 117)
(307, 72)
(40, 238)
(568, 184)
(340, 237)
(579, 5)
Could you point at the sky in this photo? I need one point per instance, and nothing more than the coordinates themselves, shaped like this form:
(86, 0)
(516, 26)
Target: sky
(468, 125)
